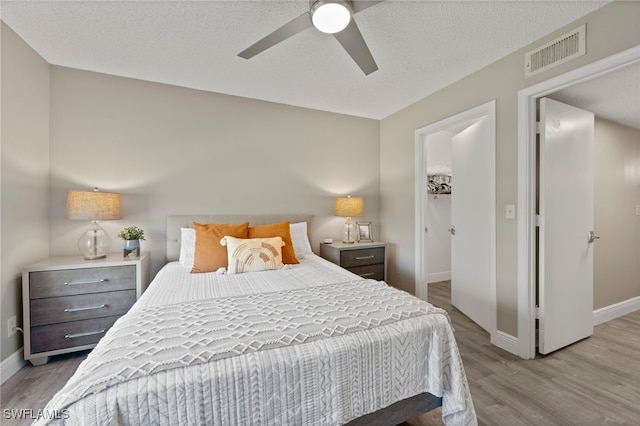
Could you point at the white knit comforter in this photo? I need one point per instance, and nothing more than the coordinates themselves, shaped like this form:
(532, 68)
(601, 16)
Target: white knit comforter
(297, 353)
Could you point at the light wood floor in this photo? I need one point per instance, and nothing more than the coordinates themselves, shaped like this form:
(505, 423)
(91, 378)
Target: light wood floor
(590, 383)
(593, 382)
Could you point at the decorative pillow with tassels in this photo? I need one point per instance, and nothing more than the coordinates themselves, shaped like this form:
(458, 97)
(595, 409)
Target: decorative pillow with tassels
(253, 254)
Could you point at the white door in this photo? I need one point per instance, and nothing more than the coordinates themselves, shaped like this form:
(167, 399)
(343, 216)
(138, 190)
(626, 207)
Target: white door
(566, 219)
(472, 219)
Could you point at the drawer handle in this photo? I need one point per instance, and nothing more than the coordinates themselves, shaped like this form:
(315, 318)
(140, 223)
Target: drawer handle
(365, 257)
(368, 274)
(87, 282)
(89, 333)
(86, 308)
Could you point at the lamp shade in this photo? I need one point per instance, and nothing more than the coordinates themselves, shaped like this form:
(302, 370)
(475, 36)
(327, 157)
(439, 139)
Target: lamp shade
(349, 207)
(93, 205)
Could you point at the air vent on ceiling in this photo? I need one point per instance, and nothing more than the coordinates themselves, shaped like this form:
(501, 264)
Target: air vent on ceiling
(562, 49)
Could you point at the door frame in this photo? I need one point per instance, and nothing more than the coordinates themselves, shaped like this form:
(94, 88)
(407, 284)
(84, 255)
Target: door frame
(526, 263)
(485, 110)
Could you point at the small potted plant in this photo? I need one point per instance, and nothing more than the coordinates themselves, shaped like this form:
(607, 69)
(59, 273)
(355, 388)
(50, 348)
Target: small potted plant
(131, 236)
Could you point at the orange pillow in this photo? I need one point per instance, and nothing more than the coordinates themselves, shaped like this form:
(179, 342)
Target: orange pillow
(210, 255)
(277, 230)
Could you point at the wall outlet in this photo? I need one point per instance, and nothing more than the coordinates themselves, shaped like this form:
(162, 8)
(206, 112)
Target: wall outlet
(11, 326)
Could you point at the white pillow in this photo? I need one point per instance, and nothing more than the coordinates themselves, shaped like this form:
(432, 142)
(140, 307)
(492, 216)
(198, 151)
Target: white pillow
(300, 239)
(187, 247)
(253, 254)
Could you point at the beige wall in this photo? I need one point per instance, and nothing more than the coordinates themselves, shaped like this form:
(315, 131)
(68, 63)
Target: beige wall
(24, 174)
(617, 193)
(610, 29)
(172, 150)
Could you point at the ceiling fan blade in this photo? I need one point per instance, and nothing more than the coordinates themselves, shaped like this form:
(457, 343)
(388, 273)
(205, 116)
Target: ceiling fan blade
(360, 5)
(351, 39)
(289, 29)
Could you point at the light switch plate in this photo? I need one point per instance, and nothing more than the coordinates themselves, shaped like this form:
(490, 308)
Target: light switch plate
(510, 211)
(637, 210)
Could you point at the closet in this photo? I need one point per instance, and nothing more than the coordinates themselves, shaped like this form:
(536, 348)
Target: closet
(439, 186)
(456, 210)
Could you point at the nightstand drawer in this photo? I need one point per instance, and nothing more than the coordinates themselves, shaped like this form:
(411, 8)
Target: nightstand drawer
(69, 334)
(81, 307)
(66, 282)
(374, 272)
(360, 257)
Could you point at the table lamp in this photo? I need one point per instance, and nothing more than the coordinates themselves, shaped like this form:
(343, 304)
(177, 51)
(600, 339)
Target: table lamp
(349, 207)
(94, 206)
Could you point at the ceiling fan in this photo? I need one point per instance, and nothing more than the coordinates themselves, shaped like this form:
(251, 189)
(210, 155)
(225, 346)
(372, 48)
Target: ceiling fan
(331, 17)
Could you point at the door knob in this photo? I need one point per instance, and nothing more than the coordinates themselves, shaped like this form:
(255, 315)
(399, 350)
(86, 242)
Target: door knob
(452, 230)
(593, 236)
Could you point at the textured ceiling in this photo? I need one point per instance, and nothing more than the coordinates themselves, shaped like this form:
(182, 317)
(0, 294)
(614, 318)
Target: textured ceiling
(420, 46)
(614, 96)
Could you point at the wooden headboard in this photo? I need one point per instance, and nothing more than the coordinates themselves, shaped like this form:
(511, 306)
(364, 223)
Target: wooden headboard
(174, 223)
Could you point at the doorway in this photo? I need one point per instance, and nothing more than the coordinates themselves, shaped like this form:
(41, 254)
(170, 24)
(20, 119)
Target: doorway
(527, 177)
(455, 210)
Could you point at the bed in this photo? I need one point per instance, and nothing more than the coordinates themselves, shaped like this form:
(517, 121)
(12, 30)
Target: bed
(309, 343)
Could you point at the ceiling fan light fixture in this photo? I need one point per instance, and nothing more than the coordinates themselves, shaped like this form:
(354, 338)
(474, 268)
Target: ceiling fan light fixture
(330, 16)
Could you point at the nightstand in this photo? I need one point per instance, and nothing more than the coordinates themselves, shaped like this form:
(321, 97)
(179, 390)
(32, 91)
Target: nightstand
(369, 260)
(70, 303)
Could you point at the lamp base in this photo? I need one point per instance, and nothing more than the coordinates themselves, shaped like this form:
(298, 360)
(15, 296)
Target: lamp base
(94, 243)
(100, 256)
(348, 232)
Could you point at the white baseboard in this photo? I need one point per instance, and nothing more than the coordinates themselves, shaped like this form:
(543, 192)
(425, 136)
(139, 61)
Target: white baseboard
(438, 276)
(11, 365)
(506, 342)
(616, 310)
(510, 343)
